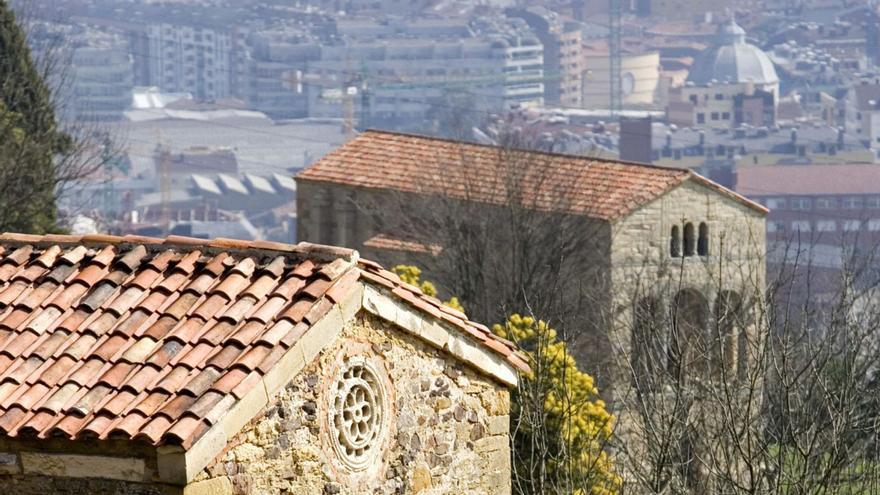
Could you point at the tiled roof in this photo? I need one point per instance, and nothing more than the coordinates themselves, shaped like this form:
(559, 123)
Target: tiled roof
(593, 187)
(389, 242)
(154, 340)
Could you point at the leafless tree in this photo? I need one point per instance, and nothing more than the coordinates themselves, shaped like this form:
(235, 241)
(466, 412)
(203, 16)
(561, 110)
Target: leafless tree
(742, 386)
(787, 409)
(502, 232)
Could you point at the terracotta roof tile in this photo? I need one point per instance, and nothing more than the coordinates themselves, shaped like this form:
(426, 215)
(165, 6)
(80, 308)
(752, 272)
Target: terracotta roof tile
(217, 331)
(597, 188)
(156, 339)
(225, 356)
(267, 311)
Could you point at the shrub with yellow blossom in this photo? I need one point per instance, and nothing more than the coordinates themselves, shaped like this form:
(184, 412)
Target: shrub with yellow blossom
(560, 427)
(557, 408)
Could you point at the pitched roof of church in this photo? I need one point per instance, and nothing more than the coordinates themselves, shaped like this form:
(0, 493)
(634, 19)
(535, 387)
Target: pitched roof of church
(597, 188)
(156, 339)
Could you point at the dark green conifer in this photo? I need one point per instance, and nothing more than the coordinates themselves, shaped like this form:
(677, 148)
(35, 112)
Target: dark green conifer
(30, 139)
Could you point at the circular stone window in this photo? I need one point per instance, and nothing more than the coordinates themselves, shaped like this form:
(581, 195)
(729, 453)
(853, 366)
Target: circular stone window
(356, 414)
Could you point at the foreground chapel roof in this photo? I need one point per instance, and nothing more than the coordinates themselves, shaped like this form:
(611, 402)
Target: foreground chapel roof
(597, 188)
(159, 339)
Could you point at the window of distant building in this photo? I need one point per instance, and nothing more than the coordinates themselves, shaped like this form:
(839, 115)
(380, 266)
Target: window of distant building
(873, 202)
(693, 99)
(852, 203)
(775, 203)
(714, 115)
(801, 203)
(800, 226)
(852, 225)
(719, 96)
(826, 226)
(826, 203)
(701, 118)
(725, 115)
(775, 227)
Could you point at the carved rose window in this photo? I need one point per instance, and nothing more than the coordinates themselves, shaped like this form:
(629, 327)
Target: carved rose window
(356, 414)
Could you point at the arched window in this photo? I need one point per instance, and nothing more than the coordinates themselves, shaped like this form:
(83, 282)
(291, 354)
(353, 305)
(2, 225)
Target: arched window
(703, 240)
(689, 241)
(675, 242)
(648, 347)
(726, 329)
(688, 340)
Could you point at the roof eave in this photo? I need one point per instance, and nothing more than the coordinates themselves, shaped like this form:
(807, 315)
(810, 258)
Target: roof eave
(729, 193)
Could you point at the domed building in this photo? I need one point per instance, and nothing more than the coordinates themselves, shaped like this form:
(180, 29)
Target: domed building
(731, 60)
(729, 84)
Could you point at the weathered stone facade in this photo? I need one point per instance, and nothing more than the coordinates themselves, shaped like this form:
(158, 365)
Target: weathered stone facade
(644, 269)
(448, 432)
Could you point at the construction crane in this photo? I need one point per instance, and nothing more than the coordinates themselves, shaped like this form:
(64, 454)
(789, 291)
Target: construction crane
(615, 14)
(164, 181)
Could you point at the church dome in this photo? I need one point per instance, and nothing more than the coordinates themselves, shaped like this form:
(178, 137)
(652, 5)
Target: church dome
(731, 60)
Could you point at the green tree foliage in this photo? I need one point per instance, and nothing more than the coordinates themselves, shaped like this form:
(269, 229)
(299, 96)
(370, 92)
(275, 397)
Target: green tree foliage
(29, 135)
(560, 427)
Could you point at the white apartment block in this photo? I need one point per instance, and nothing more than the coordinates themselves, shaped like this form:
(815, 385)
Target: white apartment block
(102, 78)
(190, 59)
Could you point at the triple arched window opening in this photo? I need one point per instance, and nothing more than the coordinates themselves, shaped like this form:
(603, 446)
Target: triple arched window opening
(690, 243)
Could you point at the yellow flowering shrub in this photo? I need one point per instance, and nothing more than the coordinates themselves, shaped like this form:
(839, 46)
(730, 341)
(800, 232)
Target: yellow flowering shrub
(557, 407)
(575, 420)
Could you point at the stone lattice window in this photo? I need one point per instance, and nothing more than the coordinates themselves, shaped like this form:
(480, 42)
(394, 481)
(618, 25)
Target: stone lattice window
(356, 414)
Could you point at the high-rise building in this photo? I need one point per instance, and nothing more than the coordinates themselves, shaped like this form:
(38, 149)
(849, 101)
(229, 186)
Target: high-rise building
(563, 60)
(190, 59)
(102, 79)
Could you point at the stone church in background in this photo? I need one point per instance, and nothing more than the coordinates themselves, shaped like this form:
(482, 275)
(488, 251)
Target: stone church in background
(674, 259)
(141, 366)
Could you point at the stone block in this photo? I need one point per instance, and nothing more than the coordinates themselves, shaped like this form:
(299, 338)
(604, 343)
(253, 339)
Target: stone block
(205, 450)
(9, 463)
(491, 444)
(84, 466)
(490, 364)
(242, 412)
(353, 302)
(421, 479)
(321, 334)
(215, 486)
(498, 425)
(284, 370)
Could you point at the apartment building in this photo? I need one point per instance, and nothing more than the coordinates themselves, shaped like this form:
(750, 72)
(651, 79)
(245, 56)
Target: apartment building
(102, 77)
(563, 61)
(190, 59)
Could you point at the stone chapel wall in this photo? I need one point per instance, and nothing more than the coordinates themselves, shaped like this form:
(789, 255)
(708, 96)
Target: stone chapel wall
(447, 430)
